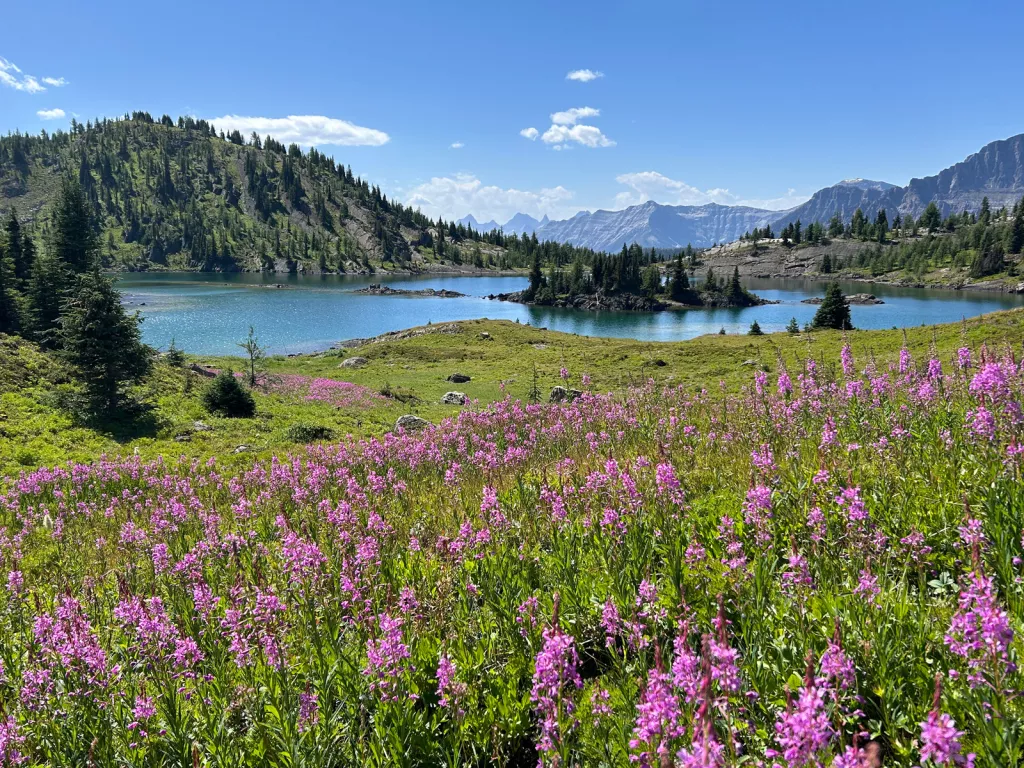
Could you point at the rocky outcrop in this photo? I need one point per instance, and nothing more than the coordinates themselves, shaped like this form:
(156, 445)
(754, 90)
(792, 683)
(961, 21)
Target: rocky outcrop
(354, 362)
(411, 423)
(853, 298)
(563, 395)
(628, 302)
(454, 398)
(376, 289)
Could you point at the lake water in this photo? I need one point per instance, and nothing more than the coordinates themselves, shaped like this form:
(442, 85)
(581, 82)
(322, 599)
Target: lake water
(209, 313)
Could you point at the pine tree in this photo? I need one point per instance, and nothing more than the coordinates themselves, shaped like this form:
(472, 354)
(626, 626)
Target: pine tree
(826, 265)
(735, 288)
(48, 287)
(793, 327)
(834, 311)
(1015, 234)
(101, 341)
(755, 330)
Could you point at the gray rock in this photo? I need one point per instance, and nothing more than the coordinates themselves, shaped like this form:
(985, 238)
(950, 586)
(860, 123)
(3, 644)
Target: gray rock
(200, 426)
(241, 449)
(205, 372)
(485, 335)
(749, 362)
(353, 362)
(410, 423)
(563, 395)
(454, 398)
(458, 378)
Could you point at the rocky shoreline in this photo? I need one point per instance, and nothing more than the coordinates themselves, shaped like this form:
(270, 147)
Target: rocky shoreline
(377, 289)
(853, 298)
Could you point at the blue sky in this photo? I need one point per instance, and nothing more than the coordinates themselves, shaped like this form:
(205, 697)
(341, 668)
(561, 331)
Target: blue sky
(736, 102)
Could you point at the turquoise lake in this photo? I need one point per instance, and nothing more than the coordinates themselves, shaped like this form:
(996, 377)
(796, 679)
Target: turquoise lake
(210, 313)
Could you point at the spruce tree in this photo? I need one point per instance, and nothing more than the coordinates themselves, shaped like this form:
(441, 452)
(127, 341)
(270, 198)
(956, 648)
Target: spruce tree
(834, 311)
(826, 264)
(47, 290)
(735, 288)
(73, 239)
(793, 327)
(680, 286)
(101, 341)
(1015, 234)
(9, 312)
(755, 330)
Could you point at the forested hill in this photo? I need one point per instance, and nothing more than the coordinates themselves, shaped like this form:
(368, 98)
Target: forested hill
(181, 195)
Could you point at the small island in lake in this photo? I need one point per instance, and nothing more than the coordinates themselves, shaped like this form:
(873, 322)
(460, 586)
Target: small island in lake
(376, 289)
(630, 280)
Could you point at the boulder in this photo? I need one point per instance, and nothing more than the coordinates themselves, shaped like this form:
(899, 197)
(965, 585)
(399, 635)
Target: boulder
(458, 378)
(353, 362)
(200, 426)
(205, 372)
(241, 449)
(485, 335)
(454, 398)
(409, 422)
(563, 395)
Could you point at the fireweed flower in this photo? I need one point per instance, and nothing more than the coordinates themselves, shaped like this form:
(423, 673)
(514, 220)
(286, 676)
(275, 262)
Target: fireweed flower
(386, 657)
(804, 729)
(555, 670)
(657, 720)
(980, 631)
(309, 710)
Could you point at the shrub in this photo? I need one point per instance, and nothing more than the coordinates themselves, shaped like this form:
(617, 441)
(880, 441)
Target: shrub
(309, 433)
(226, 396)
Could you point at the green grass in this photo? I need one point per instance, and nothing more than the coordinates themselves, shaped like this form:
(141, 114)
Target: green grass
(35, 430)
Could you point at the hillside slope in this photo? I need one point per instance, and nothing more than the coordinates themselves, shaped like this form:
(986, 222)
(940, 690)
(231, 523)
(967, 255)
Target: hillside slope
(179, 195)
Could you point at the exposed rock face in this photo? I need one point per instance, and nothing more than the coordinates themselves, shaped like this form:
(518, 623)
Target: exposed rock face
(458, 378)
(996, 172)
(454, 398)
(411, 423)
(354, 362)
(563, 395)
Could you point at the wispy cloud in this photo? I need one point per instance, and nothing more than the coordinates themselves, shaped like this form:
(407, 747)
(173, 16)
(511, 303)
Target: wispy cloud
(651, 185)
(305, 130)
(454, 196)
(583, 75)
(574, 115)
(530, 133)
(50, 114)
(14, 78)
(56, 82)
(456, 145)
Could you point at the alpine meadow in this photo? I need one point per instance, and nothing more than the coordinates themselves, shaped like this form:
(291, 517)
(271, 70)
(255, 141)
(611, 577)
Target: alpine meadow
(702, 459)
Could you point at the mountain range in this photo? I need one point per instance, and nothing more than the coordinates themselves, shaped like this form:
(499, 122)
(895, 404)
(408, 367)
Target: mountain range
(996, 172)
(521, 224)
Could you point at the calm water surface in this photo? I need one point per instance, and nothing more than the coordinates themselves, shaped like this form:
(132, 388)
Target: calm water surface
(209, 313)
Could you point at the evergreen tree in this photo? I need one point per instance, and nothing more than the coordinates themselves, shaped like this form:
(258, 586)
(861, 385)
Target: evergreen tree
(1015, 234)
(15, 245)
(101, 341)
(834, 311)
(985, 214)
(793, 327)
(735, 288)
(48, 287)
(931, 219)
(826, 265)
(680, 285)
(755, 330)
(536, 277)
(710, 283)
(9, 311)
(73, 239)
(650, 283)
(881, 225)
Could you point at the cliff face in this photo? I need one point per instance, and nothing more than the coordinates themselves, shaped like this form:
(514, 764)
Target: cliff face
(996, 172)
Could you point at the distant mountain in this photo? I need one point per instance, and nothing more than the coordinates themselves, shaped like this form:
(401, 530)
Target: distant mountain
(522, 224)
(996, 172)
(470, 221)
(660, 226)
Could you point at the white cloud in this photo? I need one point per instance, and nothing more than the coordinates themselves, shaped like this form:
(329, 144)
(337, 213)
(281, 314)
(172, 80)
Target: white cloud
(50, 114)
(456, 145)
(454, 197)
(56, 82)
(587, 135)
(584, 75)
(530, 133)
(305, 130)
(651, 185)
(574, 115)
(14, 78)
